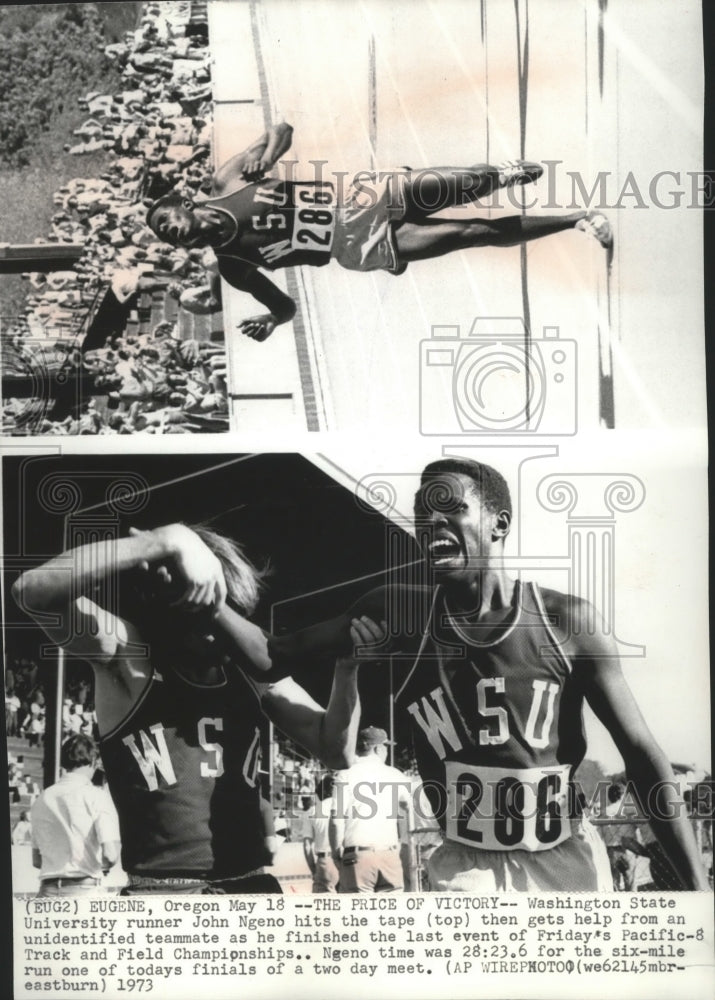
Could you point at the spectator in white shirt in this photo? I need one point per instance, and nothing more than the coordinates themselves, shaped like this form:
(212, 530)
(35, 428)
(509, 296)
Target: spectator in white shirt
(75, 830)
(316, 847)
(364, 835)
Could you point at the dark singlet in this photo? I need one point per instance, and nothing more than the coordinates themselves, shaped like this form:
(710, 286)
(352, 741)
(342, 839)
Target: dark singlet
(279, 223)
(182, 770)
(497, 726)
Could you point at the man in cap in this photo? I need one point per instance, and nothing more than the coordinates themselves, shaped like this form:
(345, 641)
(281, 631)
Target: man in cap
(363, 830)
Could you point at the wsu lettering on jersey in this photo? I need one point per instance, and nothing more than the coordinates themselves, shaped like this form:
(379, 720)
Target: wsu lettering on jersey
(182, 770)
(280, 223)
(497, 726)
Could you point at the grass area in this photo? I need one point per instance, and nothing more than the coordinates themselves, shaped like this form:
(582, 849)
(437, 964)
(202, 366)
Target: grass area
(27, 192)
(118, 18)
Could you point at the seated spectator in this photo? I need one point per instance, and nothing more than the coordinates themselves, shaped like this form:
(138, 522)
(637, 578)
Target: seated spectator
(22, 831)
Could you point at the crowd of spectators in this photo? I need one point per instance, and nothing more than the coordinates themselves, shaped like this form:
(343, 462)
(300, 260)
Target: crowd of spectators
(78, 714)
(24, 701)
(24, 719)
(295, 779)
(84, 322)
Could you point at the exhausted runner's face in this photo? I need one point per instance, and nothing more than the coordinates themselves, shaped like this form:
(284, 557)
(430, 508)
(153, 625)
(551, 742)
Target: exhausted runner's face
(453, 527)
(177, 224)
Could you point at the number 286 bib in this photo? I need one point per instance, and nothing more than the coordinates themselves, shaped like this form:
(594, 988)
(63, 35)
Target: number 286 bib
(503, 809)
(314, 223)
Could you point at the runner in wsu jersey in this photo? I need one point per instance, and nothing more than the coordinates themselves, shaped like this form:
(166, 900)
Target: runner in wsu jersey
(522, 742)
(277, 224)
(497, 731)
(494, 696)
(495, 700)
(182, 768)
(381, 220)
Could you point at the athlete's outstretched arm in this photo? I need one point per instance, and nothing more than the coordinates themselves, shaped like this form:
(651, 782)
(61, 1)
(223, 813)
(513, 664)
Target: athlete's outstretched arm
(249, 279)
(69, 580)
(64, 596)
(332, 636)
(252, 163)
(328, 734)
(277, 656)
(596, 664)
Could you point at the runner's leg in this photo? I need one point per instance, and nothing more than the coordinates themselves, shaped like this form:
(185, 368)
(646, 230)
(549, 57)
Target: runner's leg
(439, 237)
(437, 188)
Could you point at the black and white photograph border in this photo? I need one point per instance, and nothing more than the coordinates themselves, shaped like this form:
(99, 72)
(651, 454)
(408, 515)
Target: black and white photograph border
(572, 364)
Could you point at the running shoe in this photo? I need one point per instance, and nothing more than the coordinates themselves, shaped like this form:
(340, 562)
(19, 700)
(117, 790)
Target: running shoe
(513, 172)
(597, 225)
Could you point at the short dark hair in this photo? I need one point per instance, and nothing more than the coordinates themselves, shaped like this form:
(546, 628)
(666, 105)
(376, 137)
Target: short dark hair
(325, 786)
(490, 484)
(616, 791)
(77, 751)
(171, 200)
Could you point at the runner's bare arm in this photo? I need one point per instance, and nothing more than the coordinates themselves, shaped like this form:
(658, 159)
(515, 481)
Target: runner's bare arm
(249, 279)
(272, 657)
(332, 636)
(647, 767)
(328, 734)
(61, 593)
(252, 163)
(65, 597)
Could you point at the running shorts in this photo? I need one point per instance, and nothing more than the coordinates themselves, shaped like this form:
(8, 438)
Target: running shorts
(579, 864)
(364, 238)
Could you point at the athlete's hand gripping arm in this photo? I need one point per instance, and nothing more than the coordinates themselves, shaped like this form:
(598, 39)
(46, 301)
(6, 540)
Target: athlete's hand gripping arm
(328, 734)
(252, 163)
(278, 655)
(647, 767)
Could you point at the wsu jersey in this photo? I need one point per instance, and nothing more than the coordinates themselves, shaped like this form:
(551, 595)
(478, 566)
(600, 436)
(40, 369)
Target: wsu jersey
(497, 726)
(182, 770)
(279, 223)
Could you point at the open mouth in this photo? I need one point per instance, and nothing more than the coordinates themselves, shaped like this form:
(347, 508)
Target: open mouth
(444, 551)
